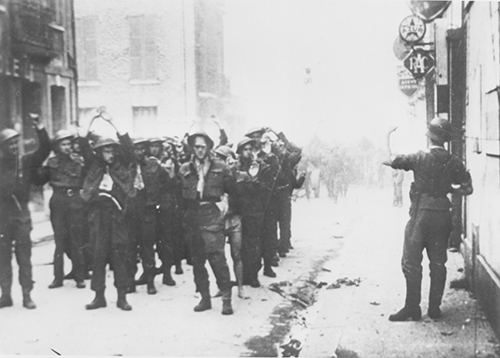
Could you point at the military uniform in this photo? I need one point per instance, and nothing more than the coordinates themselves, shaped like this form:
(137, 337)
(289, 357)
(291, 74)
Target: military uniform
(65, 175)
(203, 222)
(251, 198)
(430, 222)
(108, 189)
(143, 218)
(16, 176)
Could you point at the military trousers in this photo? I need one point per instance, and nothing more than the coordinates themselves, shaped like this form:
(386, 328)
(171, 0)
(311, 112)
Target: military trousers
(251, 224)
(67, 218)
(108, 232)
(284, 219)
(142, 224)
(204, 228)
(429, 230)
(166, 235)
(269, 235)
(15, 233)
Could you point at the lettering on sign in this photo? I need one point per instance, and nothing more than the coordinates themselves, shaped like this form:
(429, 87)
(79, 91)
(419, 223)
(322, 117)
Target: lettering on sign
(412, 29)
(419, 62)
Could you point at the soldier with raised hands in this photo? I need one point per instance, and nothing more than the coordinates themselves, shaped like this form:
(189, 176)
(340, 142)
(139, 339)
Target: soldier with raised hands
(16, 175)
(108, 187)
(64, 171)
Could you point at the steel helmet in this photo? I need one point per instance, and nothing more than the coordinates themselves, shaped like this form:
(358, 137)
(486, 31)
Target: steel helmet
(63, 134)
(104, 142)
(155, 140)
(439, 129)
(8, 134)
(140, 141)
(224, 151)
(256, 133)
(191, 138)
(245, 142)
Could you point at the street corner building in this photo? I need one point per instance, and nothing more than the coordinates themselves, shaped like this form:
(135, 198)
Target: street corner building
(37, 66)
(463, 86)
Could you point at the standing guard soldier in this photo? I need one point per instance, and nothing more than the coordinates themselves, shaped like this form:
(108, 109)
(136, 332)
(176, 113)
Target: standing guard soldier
(16, 176)
(204, 180)
(436, 174)
(64, 172)
(108, 186)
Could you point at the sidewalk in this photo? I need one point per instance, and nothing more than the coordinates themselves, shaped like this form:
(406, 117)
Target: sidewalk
(352, 321)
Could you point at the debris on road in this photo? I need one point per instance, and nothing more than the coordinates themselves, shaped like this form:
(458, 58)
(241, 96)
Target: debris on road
(344, 282)
(326, 269)
(292, 348)
(375, 303)
(447, 333)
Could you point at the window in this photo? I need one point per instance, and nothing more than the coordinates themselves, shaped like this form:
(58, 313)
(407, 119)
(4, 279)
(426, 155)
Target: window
(143, 49)
(86, 36)
(144, 120)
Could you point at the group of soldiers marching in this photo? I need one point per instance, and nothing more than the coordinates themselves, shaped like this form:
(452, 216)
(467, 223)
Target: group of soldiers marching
(129, 201)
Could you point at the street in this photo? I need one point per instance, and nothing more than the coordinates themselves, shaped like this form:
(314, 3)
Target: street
(352, 239)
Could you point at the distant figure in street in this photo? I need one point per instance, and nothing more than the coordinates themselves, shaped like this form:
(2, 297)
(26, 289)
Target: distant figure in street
(16, 176)
(436, 174)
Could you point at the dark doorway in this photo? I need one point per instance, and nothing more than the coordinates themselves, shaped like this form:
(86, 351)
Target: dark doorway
(58, 103)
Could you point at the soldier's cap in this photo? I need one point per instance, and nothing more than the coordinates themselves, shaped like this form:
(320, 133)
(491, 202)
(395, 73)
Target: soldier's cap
(137, 141)
(63, 134)
(224, 151)
(256, 133)
(105, 142)
(439, 129)
(244, 143)
(156, 140)
(8, 134)
(193, 136)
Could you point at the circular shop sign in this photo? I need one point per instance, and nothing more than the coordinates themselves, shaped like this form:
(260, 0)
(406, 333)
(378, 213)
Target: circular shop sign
(412, 29)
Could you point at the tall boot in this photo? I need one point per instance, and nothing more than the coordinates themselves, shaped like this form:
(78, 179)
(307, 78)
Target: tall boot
(122, 301)
(411, 309)
(27, 301)
(99, 301)
(6, 299)
(227, 308)
(205, 302)
(435, 297)
(167, 276)
(151, 283)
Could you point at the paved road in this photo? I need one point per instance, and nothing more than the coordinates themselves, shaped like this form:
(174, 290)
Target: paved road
(165, 324)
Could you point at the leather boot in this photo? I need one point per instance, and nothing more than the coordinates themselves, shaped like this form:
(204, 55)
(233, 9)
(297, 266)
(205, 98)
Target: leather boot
(28, 302)
(142, 280)
(227, 308)
(131, 288)
(6, 299)
(205, 303)
(80, 284)
(178, 269)
(151, 284)
(434, 312)
(435, 297)
(56, 284)
(405, 313)
(122, 301)
(99, 301)
(268, 271)
(167, 277)
(255, 283)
